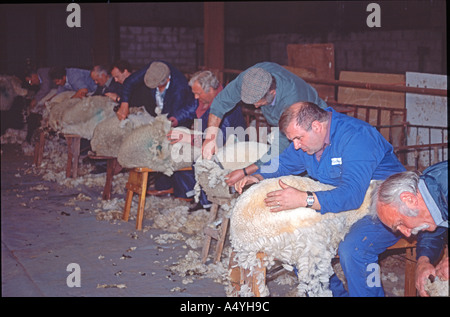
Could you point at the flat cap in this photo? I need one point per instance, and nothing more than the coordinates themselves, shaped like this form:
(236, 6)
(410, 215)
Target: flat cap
(155, 74)
(255, 85)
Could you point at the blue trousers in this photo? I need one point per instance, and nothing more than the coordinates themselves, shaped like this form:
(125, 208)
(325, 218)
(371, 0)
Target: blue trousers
(358, 255)
(183, 183)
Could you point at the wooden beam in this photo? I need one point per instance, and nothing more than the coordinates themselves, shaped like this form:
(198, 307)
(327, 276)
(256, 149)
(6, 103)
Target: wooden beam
(214, 35)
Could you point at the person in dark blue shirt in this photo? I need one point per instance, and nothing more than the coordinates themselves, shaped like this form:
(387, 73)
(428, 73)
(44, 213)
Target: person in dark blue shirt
(169, 90)
(418, 204)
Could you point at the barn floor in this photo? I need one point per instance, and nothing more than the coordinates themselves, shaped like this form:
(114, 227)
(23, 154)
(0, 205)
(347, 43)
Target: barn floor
(45, 226)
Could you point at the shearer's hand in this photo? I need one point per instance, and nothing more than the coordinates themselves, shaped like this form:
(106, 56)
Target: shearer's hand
(81, 93)
(247, 180)
(177, 135)
(122, 113)
(173, 122)
(238, 174)
(112, 95)
(286, 198)
(442, 269)
(423, 270)
(234, 176)
(209, 148)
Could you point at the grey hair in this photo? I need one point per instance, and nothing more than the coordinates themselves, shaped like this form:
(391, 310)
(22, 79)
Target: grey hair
(100, 70)
(206, 79)
(388, 192)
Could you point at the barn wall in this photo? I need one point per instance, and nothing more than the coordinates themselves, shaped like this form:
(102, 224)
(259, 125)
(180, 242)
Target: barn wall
(395, 51)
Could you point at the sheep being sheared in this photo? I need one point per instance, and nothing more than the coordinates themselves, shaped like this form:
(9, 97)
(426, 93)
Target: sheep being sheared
(109, 134)
(148, 146)
(301, 237)
(78, 116)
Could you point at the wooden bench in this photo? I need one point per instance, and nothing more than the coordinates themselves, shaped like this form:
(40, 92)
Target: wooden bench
(137, 184)
(239, 276)
(73, 152)
(111, 170)
(39, 149)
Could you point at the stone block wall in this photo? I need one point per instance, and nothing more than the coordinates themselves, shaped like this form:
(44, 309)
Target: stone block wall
(180, 46)
(176, 45)
(394, 51)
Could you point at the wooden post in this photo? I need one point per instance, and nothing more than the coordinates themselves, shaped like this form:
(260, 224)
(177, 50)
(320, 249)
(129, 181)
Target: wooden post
(214, 36)
(73, 154)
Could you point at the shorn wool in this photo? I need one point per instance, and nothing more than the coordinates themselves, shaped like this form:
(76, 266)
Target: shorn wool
(148, 146)
(110, 133)
(77, 116)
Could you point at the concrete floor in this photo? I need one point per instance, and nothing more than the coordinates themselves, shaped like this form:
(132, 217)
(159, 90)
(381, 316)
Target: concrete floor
(41, 237)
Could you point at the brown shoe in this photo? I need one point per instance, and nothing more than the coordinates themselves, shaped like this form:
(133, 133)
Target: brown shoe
(160, 192)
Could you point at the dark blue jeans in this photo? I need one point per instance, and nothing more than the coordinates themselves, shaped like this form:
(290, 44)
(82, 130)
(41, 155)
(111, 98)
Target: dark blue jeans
(358, 255)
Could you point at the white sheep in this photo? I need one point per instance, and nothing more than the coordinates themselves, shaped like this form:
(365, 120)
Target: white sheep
(301, 237)
(148, 146)
(109, 134)
(78, 116)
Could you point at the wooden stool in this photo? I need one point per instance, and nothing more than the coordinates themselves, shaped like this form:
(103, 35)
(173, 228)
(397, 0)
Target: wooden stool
(111, 164)
(137, 183)
(239, 276)
(39, 148)
(211, 232)
(73, 154)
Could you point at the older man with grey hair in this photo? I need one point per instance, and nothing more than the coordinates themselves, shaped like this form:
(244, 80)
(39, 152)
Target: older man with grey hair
(205, 87)
(418, 204)
(106, 84)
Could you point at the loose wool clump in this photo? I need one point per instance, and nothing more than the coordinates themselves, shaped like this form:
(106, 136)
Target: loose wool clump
(78, 116)
(148, 146)
(233, 156)
(300, 237)
(437, 288)
(109, 134)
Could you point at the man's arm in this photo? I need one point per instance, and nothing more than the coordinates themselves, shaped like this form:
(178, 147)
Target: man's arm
(209, 146)
(80, 79)
(130, 82)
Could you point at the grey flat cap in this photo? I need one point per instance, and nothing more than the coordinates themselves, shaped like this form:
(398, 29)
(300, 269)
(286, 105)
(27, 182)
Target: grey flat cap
(255, 84)
(155, 74)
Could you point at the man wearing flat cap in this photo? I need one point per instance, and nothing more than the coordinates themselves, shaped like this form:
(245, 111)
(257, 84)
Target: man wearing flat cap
(169, 90)
(268, 86)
